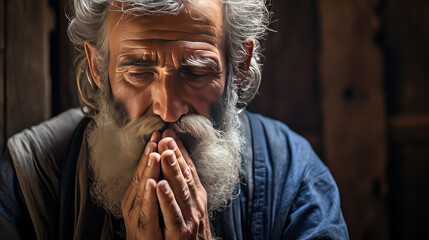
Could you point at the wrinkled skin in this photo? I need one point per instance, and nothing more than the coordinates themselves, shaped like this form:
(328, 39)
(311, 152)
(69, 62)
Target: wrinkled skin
(181, 197)
(148, 61)
(149, 70)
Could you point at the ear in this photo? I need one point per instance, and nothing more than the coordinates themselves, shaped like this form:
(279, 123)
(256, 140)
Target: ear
(244, 66)
(90, 52)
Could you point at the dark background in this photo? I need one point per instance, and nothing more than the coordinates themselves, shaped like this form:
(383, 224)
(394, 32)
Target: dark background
(352, 76)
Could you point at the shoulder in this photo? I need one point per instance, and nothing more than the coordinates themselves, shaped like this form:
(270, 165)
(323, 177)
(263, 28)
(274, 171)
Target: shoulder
(276, 130)
(285, 146)
(50, 137)
(301, 196)
(36, 157)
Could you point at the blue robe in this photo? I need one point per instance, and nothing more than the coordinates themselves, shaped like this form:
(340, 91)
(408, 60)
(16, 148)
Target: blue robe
(286, 191)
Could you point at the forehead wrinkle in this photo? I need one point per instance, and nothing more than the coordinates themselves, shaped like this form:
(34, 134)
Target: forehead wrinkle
(176, 36)
(194, 21)
(164, 46)
(189, 28)
(163, 22)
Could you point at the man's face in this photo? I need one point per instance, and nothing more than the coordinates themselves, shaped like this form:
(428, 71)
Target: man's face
(165, 65)
(170, 65)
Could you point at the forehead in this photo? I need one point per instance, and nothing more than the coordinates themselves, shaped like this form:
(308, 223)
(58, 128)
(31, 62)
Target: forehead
(197, 24)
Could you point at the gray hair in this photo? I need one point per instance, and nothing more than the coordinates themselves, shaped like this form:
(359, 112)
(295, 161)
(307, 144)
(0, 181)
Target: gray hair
(244, 20)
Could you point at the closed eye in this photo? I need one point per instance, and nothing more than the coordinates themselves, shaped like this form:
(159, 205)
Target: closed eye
(194, 73)
(137, 76)
(198, 77)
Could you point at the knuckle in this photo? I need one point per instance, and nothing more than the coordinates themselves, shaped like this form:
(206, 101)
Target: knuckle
(195, 221)
(185, 232)
(143, 220)
(179, 224)
(178, 174)
(198, 212)
(184, 192)
(135, 180)
(138, 200)
(201, 207)
(203, 194)
(188, 176)
(179, 154)
(176, 215)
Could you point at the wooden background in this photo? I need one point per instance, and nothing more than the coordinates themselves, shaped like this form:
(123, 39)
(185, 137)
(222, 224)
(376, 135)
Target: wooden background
(350, 76)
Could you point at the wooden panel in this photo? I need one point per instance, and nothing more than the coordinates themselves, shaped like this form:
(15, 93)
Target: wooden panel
(28, 90)
(353, 111)
(405, 36)
(289, 91)
(69, 96)
(409, 196)
(409, 128)
(64, 90)
(2, 25)
(2, 74)
(405, 39)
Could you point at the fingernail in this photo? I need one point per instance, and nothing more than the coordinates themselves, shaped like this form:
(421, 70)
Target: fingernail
(147, 151)
(172, 145)
(147, 185)
(153, 138)
(149, 161)
(171, 159)
(164, 188)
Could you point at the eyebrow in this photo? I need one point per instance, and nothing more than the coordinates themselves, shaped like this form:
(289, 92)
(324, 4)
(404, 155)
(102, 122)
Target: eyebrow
(138, 60)
(194, 61)
(202, 62)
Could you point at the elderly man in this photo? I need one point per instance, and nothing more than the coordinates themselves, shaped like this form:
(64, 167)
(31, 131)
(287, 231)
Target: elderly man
(165, 150)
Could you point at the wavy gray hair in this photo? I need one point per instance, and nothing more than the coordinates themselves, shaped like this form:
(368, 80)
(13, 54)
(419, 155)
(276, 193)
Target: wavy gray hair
(244, 20)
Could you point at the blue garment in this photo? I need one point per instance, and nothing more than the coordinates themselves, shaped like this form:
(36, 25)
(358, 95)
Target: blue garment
(295, 195)
(287, 193)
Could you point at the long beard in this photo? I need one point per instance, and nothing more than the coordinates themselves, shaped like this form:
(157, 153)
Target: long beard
(115, 152)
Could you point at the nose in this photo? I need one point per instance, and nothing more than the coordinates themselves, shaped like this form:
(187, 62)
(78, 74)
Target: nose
(168, 100)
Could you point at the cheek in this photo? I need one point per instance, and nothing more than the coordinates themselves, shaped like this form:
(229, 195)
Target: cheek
(202, 99)
(136, 101)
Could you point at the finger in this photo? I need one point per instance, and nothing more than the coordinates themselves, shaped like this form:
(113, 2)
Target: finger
(152, 170)
(131, 191)
(181, 152)
(126, 204)
(171, 211)
(136, 202)
(148, 222)
(170, 143)
(151, 147)
(178, 184)
(170, 133)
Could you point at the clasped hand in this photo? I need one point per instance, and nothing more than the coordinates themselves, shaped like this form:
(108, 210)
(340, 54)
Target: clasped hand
(180, 195)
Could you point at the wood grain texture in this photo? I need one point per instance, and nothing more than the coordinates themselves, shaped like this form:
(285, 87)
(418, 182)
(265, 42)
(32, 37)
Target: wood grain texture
(2, 25)
(2, 75)
(353, 113)
(406, 35)
(289, 91)
(409, 169)
(28, 83)
(69, 95)
(64, 87)
(405, 38)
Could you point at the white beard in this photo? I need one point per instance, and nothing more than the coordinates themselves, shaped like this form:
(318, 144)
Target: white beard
(115, 152)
